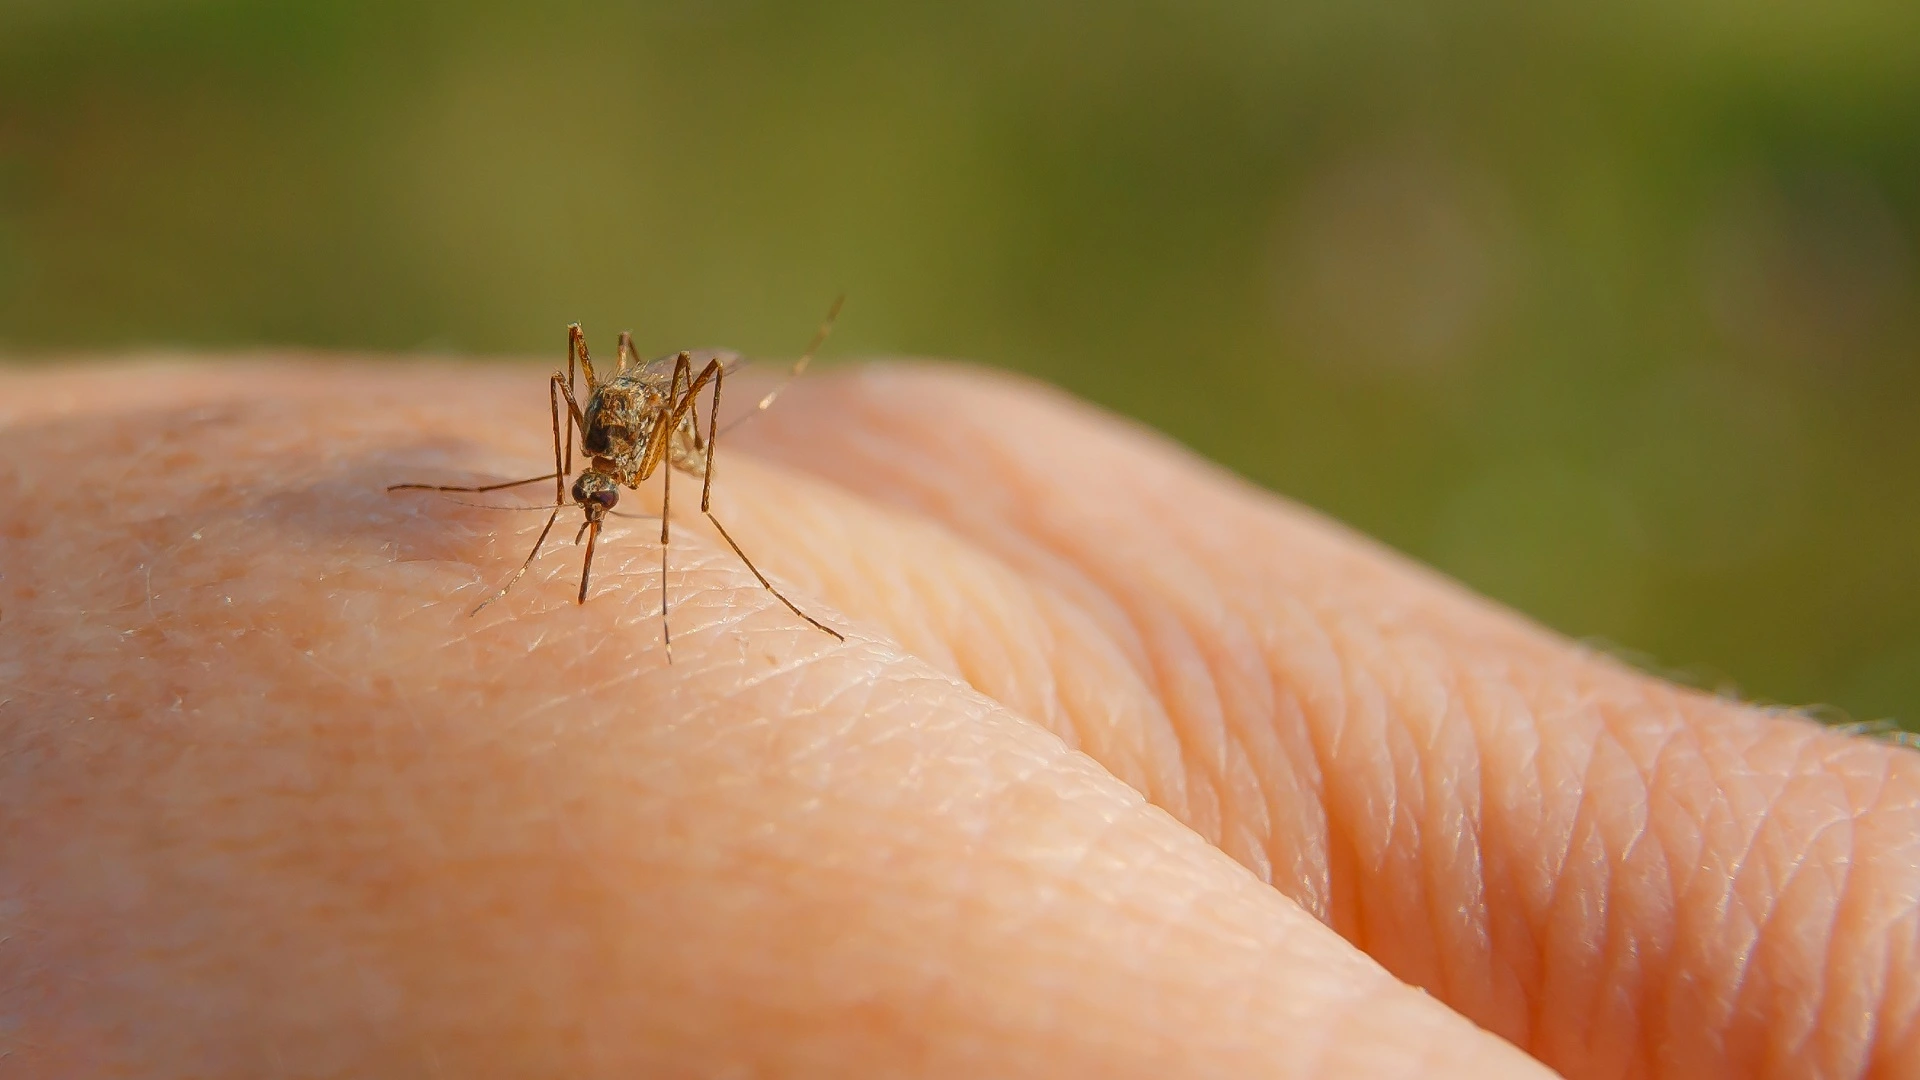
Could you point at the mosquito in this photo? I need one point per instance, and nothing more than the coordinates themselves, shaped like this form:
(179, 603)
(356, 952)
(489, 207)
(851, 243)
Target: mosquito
(642, 416)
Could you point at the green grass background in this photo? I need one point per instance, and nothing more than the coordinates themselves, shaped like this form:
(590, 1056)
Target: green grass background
(1613, 311)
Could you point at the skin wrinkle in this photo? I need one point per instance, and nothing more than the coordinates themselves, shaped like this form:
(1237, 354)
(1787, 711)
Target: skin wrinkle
(1670, 780)
(1141, 759)
(1891, 1053)
(1799, 1043)
(1394, 810)
(1001, 655)
(1516, 949)
(1640, 845)
(1384, 798)
(1217, 706)
(1306, 874)
(1777, 904)
(1771, 896)
(931, 642)
(1376, 795)
(1205, 709)
(1471, 958)
(1342, 907)
(1448, 779)
(1842, 1017)
(1209, 741)
(875, 452)
(1204, 740)
(1568, 891)
(1602, 913)
(1836, 991)
(990, 652)
(1200, 749)
(1896, 996)
(1243, 692)
(1741, 913)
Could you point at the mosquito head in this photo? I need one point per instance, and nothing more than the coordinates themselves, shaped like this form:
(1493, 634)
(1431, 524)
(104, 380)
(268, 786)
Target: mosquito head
(597, 493)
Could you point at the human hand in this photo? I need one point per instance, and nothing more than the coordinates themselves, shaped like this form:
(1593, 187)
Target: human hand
(275, 805)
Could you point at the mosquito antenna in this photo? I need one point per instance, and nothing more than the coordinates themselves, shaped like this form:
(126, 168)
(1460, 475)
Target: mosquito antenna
(480, 488)
(502, 506)
(799, 366)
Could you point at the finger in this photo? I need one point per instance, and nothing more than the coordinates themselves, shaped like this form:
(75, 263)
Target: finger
(276, 805)
(1617, 874)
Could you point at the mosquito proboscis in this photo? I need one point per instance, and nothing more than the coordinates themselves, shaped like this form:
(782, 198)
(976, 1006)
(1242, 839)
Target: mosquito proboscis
(642, 416)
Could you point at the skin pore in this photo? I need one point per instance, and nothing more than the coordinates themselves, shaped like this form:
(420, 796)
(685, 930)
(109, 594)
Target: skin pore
(1124, 769)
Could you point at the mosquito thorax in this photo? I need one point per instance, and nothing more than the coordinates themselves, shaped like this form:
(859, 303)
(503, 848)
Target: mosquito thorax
(617, 419)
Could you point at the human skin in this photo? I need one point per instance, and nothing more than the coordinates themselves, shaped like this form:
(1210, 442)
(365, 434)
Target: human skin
(1124, 769)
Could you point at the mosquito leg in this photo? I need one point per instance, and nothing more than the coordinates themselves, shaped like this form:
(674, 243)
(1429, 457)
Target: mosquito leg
(682, 398)
(682, 370)
(574, 416)
(651, 455)
(666, 515)
(713, 433)
(517, 574)
(692, 400)
(717, 374)
(560, 468)
(659, 443)
(728, 537)
(576, 346)
(688, 405)
(680, 404)
(559, 497)
(682, 374)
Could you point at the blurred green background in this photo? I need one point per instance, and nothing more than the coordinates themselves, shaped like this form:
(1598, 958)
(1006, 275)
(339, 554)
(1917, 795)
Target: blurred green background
(1613, 311)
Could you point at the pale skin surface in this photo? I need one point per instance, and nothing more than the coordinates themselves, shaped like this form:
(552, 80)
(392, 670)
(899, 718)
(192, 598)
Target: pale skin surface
(273, 805)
